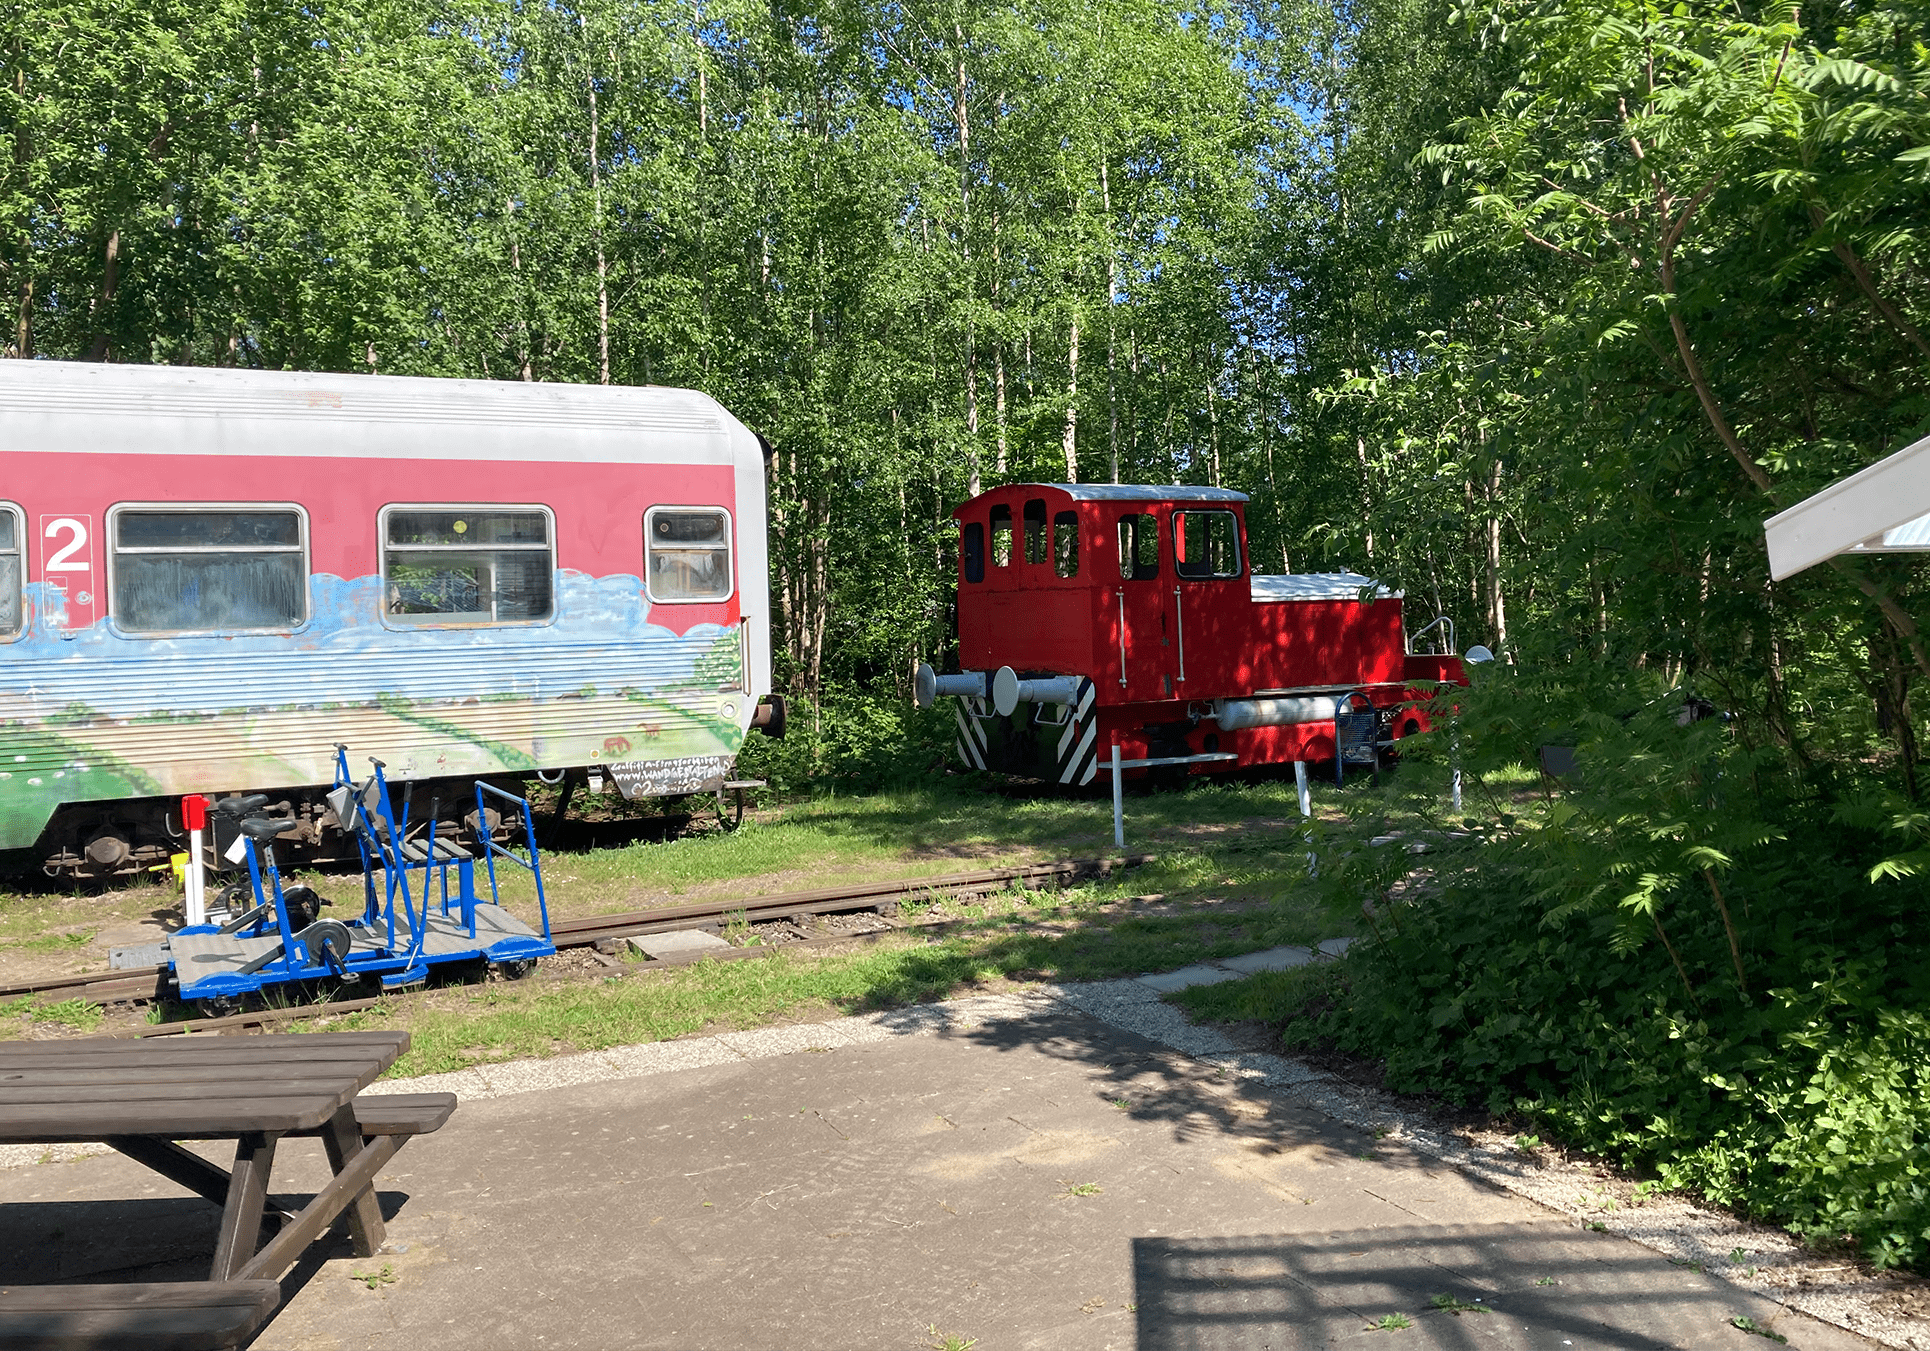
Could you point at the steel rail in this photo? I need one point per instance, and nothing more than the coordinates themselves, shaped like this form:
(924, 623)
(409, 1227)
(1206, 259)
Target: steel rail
(148, 983)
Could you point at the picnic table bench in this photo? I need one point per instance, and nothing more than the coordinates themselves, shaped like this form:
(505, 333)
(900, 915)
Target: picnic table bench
(142, 1098)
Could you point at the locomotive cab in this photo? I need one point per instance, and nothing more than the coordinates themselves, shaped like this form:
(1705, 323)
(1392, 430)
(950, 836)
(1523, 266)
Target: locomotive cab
(1098, 614)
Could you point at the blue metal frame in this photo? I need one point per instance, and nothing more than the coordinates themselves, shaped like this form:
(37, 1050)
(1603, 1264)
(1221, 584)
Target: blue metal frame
(397, 954)
(534, 863)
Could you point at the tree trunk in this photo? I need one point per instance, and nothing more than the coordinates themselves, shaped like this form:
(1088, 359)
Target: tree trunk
(1112, 301)
(23, 340)
(1366, 495)
(1497, 604)
(1213, 439)
(596, 227)
(1070, 442)
(961, 115)
(998, 370)
(104, 303)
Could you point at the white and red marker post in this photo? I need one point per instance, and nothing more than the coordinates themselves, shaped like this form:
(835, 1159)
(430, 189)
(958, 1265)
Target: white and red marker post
(194, 815)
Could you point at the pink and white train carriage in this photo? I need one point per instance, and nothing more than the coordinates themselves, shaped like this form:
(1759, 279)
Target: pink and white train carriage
(208, 577)
(1094, 615)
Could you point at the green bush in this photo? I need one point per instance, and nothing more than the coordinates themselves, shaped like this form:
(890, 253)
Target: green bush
(853, 741)
(1698, 959)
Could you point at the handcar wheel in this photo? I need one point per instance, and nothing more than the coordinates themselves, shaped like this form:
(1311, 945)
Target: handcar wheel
(217, 1006)
(516, 970)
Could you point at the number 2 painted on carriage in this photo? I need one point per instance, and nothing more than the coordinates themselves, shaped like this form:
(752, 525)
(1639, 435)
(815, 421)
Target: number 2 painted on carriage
(69, 569)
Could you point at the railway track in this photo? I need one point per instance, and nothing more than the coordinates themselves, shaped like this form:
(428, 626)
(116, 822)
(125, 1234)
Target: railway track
(150, 984)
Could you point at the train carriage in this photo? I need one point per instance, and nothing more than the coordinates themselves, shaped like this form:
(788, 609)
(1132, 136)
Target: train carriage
(1094, 615)
(208, 577)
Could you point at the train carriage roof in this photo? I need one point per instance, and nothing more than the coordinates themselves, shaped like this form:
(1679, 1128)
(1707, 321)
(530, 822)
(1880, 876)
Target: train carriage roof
(85, 407)
(1116, 492)
(1316, 586)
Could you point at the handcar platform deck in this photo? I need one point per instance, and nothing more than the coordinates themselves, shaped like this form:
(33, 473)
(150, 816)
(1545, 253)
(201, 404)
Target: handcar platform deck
(499, 937)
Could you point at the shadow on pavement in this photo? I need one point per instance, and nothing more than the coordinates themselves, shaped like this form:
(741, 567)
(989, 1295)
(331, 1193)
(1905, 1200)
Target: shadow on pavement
(1508, 1286)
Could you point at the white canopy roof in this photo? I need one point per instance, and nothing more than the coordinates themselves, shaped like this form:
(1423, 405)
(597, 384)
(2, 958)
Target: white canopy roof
(1883, 509)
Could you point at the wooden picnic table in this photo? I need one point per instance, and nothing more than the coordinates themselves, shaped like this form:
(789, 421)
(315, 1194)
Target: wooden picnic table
(142, 1097)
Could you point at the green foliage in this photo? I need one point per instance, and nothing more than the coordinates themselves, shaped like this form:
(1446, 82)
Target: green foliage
(851, 742)
(1676, 957)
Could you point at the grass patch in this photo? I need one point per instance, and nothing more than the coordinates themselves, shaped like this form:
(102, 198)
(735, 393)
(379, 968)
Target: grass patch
(1292, 1000)
(75, 1014)
(1077, 935)
(58, 942)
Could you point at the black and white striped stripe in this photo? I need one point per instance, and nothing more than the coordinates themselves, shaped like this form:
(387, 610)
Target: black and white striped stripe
(971, 736)
(1078, 750)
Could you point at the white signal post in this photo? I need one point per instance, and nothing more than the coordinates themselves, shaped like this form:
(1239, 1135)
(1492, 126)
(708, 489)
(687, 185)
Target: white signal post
(194, 815)
(1118, 802)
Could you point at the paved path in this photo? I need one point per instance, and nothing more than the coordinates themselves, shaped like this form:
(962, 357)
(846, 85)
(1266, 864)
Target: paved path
(1027, 1172)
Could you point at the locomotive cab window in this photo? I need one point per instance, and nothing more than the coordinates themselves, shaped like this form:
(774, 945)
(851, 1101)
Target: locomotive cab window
(1206, 544)
(12, 570)
(467, 565)
(974, 550)
(207, 569)
(687, 553)
(1002, 537)
(1035, 530)
(1138, 548)
(1065, 544)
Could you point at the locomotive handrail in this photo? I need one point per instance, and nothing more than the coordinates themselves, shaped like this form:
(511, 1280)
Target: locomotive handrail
(1179, 630)
(1439, 621)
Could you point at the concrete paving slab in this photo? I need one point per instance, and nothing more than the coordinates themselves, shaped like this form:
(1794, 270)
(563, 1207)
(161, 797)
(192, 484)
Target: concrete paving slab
(1031, 1178)
(677, 943)
(1273, 959)
(1186, 977)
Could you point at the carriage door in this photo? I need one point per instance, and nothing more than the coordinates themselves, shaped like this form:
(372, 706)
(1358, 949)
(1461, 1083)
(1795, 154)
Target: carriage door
(67, 568)
(1142, 625)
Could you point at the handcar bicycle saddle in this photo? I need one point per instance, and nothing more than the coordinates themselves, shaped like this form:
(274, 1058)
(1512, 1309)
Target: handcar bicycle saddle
(240, 805)
(267, 827)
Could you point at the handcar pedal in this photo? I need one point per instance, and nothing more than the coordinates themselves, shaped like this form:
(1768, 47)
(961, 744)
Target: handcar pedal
(327, 939)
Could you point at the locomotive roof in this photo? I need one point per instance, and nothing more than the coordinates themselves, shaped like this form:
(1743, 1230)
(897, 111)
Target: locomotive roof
(1131, 492)
(1314, 586)
(80, 407)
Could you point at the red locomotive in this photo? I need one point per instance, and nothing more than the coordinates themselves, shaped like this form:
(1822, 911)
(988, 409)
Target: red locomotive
(1091, 615)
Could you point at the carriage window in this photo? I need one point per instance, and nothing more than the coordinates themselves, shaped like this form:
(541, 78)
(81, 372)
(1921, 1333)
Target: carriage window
(1138, 548)
(467, 565)
(1035, 530)
(1065, 544)
(11, 570)
(1002, 536)
(207, 569)
(1206, 544)
(689, 553)
(974, 552)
